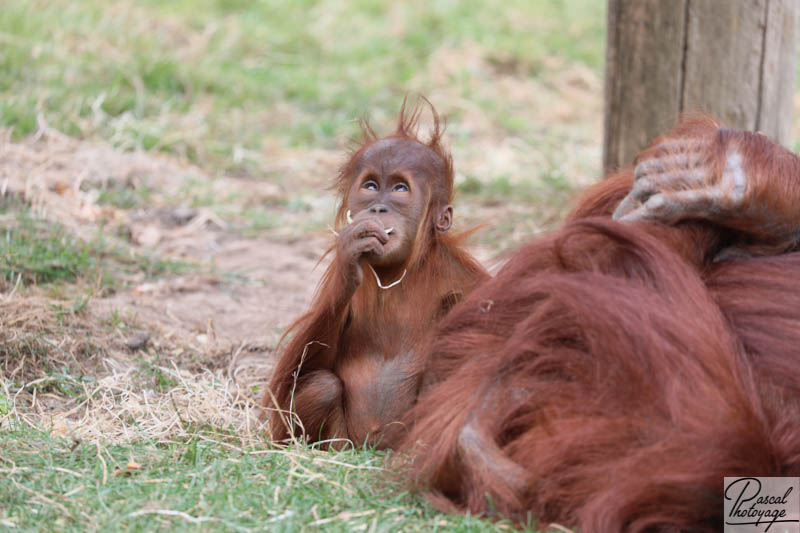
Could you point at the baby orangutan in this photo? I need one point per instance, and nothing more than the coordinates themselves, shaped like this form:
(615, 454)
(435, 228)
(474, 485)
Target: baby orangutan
(353, 365)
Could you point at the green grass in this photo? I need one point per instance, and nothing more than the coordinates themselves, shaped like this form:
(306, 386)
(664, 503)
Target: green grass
(124, 196)
(503, 190)
(204, 483)
(236, 87)
(38, 252)
(213, 79)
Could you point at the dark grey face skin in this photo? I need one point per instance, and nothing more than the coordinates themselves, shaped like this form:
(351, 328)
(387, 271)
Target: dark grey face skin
(394, 181)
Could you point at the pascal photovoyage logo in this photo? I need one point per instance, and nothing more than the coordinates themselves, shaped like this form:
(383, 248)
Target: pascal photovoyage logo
(762, 504)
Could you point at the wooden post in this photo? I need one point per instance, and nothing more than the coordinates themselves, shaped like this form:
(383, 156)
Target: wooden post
(734, 59)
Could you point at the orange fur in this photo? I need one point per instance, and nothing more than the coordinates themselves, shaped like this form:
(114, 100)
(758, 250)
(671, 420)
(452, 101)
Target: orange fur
(612, 373)
(352, 365)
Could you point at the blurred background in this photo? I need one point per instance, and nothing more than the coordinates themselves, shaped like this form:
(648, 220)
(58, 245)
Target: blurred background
(170, 139)
(164, 204)
(271, 90)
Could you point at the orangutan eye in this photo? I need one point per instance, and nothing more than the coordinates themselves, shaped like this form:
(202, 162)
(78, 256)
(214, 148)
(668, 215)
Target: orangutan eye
(400, 187)
(370, 185)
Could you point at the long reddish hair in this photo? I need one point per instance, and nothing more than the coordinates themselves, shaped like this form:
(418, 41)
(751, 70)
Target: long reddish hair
(439, 265)
(618, 374)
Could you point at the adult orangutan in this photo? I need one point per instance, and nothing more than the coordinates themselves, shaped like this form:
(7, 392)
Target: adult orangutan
(352, 366)
(613, 373)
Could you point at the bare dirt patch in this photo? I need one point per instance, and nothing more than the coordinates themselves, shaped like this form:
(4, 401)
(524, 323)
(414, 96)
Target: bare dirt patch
(194, 344)
(209, 330)
(253, 284)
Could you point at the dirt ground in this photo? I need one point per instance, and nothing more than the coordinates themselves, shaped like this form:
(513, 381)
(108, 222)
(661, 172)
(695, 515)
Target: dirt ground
(217, 320)
(223, 314)
(213, 324)
(241, 291)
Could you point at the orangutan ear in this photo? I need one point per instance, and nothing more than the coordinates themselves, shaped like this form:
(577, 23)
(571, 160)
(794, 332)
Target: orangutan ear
(445, 219)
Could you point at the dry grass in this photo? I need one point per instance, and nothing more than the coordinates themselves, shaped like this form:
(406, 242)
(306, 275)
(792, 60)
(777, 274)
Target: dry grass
(65, 353)
(77, 375)
(189, 161)
(119, 408)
